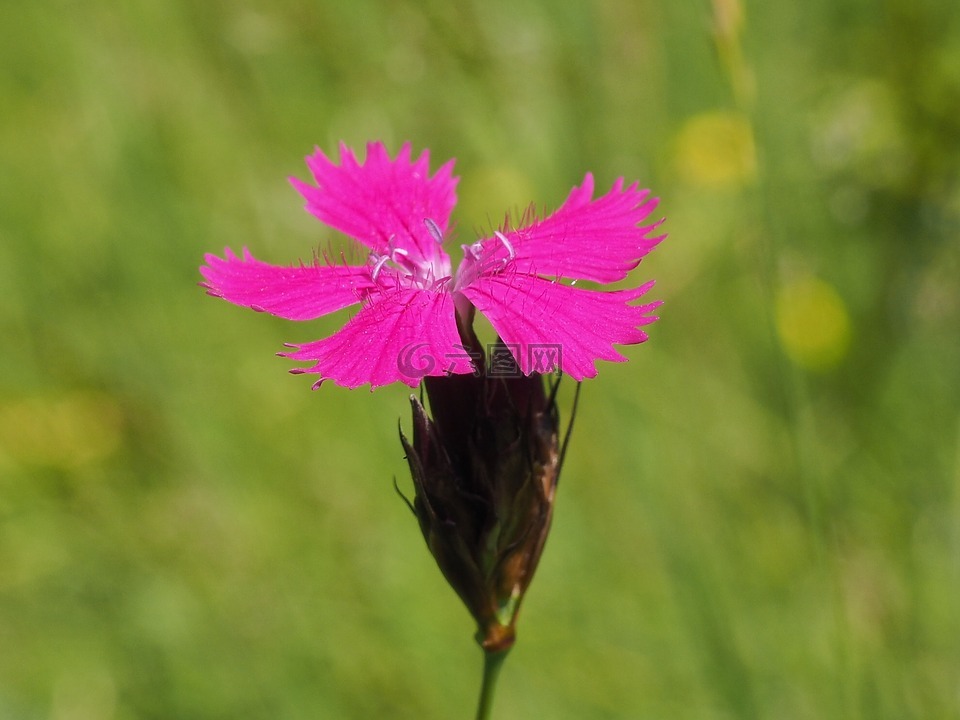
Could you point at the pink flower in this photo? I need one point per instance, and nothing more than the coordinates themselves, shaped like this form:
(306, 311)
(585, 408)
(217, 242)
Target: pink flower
(411, 299)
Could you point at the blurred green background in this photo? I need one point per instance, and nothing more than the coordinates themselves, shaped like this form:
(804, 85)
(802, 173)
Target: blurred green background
(760, 512)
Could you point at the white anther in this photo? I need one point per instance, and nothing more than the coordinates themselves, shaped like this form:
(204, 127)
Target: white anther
(434, 230)
(475, 251)
(378, 266)
(506, 243)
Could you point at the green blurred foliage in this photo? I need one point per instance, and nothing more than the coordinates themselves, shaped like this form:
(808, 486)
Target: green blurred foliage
(760, 513)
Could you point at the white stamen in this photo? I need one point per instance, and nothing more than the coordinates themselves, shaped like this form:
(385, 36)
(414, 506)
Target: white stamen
(475, 251)
(434, 230)
(506, 243)
(378, 266)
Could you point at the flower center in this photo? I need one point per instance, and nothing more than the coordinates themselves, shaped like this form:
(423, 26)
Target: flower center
(405, 269)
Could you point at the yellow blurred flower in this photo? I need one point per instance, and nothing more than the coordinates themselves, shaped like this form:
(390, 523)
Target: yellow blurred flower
(716, 150)
(812, 323)
(65, 431)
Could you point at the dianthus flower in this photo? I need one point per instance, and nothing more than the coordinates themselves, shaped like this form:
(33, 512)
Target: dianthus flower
(522, 279)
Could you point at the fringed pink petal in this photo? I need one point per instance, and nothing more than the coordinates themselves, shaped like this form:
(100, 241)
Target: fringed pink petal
(382, 203)
(301, 292)
(549, 323)
(400, 336)
(585, 239)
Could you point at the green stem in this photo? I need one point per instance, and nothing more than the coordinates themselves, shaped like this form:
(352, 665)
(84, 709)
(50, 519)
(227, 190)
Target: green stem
(492, 662)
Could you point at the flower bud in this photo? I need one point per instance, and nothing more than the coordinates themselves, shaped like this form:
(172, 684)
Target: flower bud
(485, 469)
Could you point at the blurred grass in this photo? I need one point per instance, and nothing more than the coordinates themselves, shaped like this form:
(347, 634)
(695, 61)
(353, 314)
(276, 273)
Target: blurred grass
(760, 515)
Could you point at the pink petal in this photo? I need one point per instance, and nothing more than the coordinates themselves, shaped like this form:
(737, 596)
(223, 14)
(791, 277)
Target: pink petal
(399, 336)
(544, 317)
(599, 240)
(382, 202)
(301, 292)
